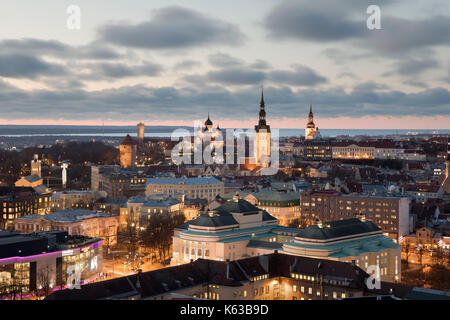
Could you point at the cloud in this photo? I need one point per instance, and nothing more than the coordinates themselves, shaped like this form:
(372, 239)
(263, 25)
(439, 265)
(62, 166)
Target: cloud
(54, 48)
(171, 28)
(236, 76)
(224, 60)
(300, 76)
(309, 21)
(121, 70)
(328, 22)
(410, 67)
(186, 65)
(162, 103)
(25, 66)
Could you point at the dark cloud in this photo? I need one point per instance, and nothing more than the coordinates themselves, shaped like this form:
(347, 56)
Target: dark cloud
(329, 21)
(173, 27)
(121, 70)
(186, 65)
(224, 60)
(410, 67)
(54, 48)
(162, 103)
(25, 66)
(236, 76)
(300, 76)
(307, 20)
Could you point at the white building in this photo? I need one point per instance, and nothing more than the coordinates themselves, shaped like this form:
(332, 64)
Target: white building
(200, 187)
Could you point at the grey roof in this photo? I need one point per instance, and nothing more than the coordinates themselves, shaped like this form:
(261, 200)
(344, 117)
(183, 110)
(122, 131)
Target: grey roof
(427, 294)
(340, 228)
(161, 203)
(186, 181)
(68, 215)
(264, 244)
(32, 178)
(215, 220)
(239, 206)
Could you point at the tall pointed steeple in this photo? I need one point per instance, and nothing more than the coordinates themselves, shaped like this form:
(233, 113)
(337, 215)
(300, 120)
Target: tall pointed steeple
(262, 113)
(310, 116)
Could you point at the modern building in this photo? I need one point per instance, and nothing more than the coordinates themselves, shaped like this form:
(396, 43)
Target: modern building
(16, 202)
(128, 150)
(237, 229)
(117, 182)
(75, 199)
(76, 222)
(200, 187)
(46, 261)
(317, 150)
(268, 277)
(139, 209)
(421, 192)
(390, 213)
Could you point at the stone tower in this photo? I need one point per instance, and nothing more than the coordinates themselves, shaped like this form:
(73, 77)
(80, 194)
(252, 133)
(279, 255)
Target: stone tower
(128, 149)
(141, 129)
(36, 166)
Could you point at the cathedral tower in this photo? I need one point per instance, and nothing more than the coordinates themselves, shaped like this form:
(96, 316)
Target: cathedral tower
(310, 130)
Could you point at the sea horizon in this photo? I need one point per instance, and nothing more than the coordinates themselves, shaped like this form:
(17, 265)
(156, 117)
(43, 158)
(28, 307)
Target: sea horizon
(166, 131)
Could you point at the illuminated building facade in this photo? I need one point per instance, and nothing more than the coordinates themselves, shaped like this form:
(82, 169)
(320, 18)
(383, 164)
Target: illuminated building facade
(44, 260)
(200, 187)
(16, 202)
(390, 213)
(76, 222)
(267, 277)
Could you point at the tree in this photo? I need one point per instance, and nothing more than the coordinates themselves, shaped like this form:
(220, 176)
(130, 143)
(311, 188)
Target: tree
(298, 223)
(44, 279)
(406, 249)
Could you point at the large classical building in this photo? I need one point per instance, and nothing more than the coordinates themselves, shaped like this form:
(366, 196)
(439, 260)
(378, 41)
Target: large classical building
(200, 187)
(390, 213)
(237, 229)
(75, 222)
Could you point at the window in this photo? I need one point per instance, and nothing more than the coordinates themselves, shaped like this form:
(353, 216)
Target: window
(294, 288)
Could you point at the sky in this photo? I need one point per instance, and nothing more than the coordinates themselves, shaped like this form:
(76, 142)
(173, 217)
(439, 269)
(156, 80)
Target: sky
(165, 62)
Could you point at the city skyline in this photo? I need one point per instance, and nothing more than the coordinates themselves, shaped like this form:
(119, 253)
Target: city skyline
(128, 64)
